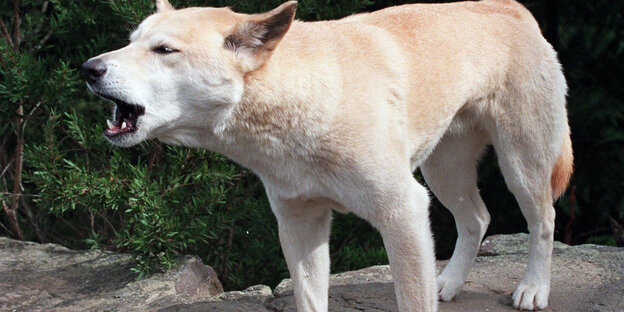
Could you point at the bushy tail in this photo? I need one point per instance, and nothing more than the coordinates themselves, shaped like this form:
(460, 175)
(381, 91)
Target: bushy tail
(563, 168)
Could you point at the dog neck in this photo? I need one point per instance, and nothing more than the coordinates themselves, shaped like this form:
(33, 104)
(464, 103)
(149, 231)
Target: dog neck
(284, 113)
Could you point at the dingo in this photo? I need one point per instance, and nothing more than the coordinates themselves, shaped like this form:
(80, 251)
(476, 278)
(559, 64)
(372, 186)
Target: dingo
(338, 114)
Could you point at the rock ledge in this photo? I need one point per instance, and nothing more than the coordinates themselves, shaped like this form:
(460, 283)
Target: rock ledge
(36, 277)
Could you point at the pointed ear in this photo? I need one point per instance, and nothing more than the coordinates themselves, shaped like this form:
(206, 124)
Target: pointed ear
(255, 38)
(163, 5)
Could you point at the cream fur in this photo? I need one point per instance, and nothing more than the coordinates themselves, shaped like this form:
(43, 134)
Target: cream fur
(337, 115)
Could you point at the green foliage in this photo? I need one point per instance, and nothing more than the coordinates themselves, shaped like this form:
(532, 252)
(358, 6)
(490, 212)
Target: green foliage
(159, 201)
(608, 240)
(354, 244)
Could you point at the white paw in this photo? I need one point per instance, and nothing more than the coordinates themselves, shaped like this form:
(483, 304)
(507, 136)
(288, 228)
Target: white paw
(448, 288)
(531, 297)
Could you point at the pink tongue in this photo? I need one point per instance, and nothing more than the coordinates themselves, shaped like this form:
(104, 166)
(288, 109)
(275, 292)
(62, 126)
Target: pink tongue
(113, 130)
(116, 128)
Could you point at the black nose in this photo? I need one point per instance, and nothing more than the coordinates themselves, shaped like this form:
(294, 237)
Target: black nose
(93, 69)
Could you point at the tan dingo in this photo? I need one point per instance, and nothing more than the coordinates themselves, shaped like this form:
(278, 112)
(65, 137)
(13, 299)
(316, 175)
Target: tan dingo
(338, 114)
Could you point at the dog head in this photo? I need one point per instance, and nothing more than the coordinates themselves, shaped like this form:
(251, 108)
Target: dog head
(183, 69)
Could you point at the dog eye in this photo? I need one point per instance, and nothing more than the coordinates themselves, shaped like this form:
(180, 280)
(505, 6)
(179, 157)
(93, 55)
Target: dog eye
(164, 50)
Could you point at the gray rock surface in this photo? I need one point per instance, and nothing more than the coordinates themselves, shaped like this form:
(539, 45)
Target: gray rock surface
(44, 277)
(36, 277)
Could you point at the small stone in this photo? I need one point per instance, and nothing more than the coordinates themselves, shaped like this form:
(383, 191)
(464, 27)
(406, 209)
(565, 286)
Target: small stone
(197, 280)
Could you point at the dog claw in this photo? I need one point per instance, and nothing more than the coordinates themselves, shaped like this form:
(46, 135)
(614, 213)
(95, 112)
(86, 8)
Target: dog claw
(530, 297)
(448, 288)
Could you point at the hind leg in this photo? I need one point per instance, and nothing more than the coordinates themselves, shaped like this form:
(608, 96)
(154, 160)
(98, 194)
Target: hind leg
(528, 179)
(527, 151)
(451, 173)
(528, 126)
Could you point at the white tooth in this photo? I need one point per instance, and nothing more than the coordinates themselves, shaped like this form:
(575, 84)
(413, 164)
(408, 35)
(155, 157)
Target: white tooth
(124, 125)
(109, 124)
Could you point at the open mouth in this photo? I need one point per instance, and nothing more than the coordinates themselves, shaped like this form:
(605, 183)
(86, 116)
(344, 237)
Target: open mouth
(126, 116)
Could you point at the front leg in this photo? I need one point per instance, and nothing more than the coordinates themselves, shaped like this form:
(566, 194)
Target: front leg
(304, 228)
(402, 217)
